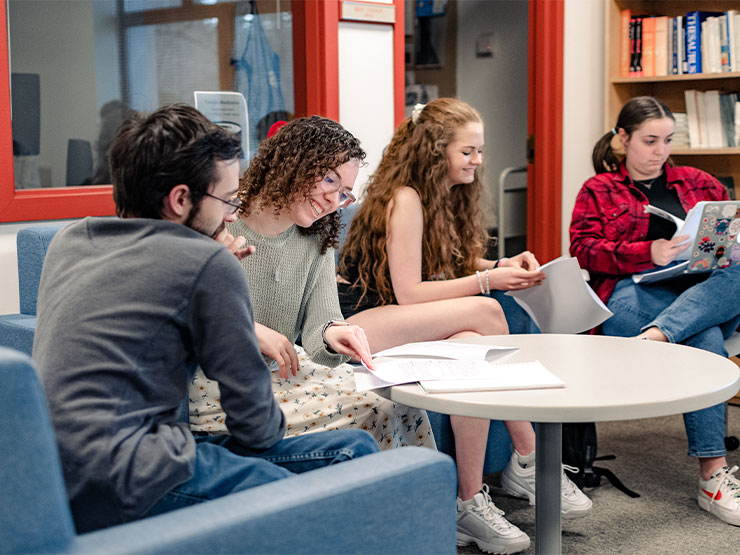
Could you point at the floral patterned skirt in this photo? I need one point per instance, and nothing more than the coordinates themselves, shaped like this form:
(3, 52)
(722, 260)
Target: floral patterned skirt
(319, 399)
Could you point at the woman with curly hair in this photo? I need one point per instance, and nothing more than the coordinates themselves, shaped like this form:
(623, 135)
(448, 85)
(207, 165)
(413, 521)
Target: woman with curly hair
(289, 196)
(413, 269)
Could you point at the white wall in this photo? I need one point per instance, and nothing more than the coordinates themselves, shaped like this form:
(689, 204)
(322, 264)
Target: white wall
(583, 98)
(366, 104)
(497, 87)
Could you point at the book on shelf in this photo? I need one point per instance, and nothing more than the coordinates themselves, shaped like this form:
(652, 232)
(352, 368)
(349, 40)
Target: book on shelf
(692, 116)
(681, 132)
(624, 42)
(661, 45)
(636, 46)
(724, 43)
(715, 133)
(713, 119)
(676, 45)
(694, 39)
(727, 103)
(733, 37)
(648, 47)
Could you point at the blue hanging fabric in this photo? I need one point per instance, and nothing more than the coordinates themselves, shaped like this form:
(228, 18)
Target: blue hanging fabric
(258, 79)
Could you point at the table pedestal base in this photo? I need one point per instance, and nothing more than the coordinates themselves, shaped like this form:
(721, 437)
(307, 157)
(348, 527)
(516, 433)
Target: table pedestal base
(548, 470)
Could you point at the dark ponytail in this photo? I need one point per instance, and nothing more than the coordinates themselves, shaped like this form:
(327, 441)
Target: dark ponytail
(634, 113)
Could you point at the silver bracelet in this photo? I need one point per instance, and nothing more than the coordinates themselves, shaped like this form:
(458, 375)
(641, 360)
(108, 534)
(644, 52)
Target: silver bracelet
(329, 324)
(480, 283)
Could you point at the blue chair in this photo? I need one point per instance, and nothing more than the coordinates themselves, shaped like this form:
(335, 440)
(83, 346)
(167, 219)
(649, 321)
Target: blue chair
(397, 501)
(17, 330)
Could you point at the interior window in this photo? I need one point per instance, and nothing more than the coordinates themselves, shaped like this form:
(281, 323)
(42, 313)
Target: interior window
(79, 66)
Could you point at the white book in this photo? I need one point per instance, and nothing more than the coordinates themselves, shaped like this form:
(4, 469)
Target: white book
(501, 376)
(732, 41)
(701, 116)
(716, 46)
(736, 35)
(713, 116)
(693, 117)
(737, 123)
(724, 44)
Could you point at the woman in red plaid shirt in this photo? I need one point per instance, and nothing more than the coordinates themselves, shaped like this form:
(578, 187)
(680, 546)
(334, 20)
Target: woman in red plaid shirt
(614, 237)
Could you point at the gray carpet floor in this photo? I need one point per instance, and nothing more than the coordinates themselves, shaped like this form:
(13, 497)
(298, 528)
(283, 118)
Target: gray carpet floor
(651, 460)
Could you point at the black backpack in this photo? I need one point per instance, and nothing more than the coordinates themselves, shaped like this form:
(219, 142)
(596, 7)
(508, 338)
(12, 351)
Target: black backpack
(579, 451)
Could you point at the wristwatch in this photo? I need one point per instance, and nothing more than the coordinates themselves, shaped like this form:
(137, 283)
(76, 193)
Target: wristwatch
(329, 324)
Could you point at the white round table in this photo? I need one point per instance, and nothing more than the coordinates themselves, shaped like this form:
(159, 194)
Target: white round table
(607, 378)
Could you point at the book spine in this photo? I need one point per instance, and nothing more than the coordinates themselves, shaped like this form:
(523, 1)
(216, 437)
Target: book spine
(632, 47)
(724, 43)
(693, 50)
(648, 47)
(638, 47)
(661, 46)
(624, 38)
(674, 54)
(681, 26)
(692, 117)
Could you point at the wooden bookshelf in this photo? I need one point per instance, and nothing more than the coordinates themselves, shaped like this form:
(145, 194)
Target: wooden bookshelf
(670, 88)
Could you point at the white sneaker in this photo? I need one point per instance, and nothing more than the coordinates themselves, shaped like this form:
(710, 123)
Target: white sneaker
(519, 481)
(720, 495)
(479, 521)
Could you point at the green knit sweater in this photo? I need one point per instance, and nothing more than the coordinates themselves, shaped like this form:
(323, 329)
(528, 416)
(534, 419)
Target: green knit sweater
(293, 287)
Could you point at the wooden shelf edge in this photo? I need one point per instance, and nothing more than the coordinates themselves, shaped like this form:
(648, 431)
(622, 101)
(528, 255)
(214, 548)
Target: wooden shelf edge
(682, 151)
(673, 78)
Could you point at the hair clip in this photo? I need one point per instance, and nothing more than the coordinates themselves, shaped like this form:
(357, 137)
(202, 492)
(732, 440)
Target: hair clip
(416, 112)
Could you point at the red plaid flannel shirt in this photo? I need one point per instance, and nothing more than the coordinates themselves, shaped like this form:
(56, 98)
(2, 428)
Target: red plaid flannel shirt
(609, 225)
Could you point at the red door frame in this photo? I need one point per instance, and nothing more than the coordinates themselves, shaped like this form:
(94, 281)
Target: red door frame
(545, 124)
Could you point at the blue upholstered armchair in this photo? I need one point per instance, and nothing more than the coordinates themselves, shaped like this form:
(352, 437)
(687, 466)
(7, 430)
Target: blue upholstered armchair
(397, 501)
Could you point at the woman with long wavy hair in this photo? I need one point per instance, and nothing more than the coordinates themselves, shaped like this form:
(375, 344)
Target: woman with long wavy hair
(413, 268)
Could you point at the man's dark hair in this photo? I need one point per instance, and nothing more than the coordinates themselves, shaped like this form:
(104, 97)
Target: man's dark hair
(152, 154)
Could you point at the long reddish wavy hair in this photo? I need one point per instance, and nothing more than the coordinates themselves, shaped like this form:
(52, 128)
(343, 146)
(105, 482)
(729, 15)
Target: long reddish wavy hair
(454, 236)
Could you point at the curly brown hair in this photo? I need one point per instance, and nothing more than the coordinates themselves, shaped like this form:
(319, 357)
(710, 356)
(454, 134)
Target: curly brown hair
(288, 165)
(454, 236)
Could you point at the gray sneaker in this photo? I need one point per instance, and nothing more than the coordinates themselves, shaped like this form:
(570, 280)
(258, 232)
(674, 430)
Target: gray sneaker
(479, 521)
(519, 482)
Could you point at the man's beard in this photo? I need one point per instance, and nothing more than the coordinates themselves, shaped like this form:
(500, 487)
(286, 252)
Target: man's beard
(193, 224)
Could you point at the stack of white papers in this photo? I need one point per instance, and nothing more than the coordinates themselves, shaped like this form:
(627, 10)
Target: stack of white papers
(446, 366)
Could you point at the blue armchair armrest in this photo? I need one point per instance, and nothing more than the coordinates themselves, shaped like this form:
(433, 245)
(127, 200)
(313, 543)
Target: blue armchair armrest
(397, 501)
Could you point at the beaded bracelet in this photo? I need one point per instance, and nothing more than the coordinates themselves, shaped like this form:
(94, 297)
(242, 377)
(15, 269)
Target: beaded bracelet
(480, 282)
(488, 284)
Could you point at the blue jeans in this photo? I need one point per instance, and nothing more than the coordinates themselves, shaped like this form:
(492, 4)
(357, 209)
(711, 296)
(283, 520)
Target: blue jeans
(516, 317)
(223, 466)
(696, 310)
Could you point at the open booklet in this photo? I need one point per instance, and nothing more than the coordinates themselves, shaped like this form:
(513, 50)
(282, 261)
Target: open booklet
(564, 303)
(456, 366)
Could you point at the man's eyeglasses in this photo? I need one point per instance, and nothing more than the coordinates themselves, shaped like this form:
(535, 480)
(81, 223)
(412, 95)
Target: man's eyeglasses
(234, 204)
(331, 184)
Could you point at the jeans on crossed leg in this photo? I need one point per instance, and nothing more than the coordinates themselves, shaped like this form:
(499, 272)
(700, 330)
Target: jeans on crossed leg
(695, 311)
(223, 466)
(516, 317)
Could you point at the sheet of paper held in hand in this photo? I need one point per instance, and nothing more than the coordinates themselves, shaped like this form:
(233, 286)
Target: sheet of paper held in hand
(564, 303)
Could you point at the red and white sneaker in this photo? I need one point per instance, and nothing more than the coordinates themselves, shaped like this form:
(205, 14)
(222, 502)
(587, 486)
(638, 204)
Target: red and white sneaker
(720, 495)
